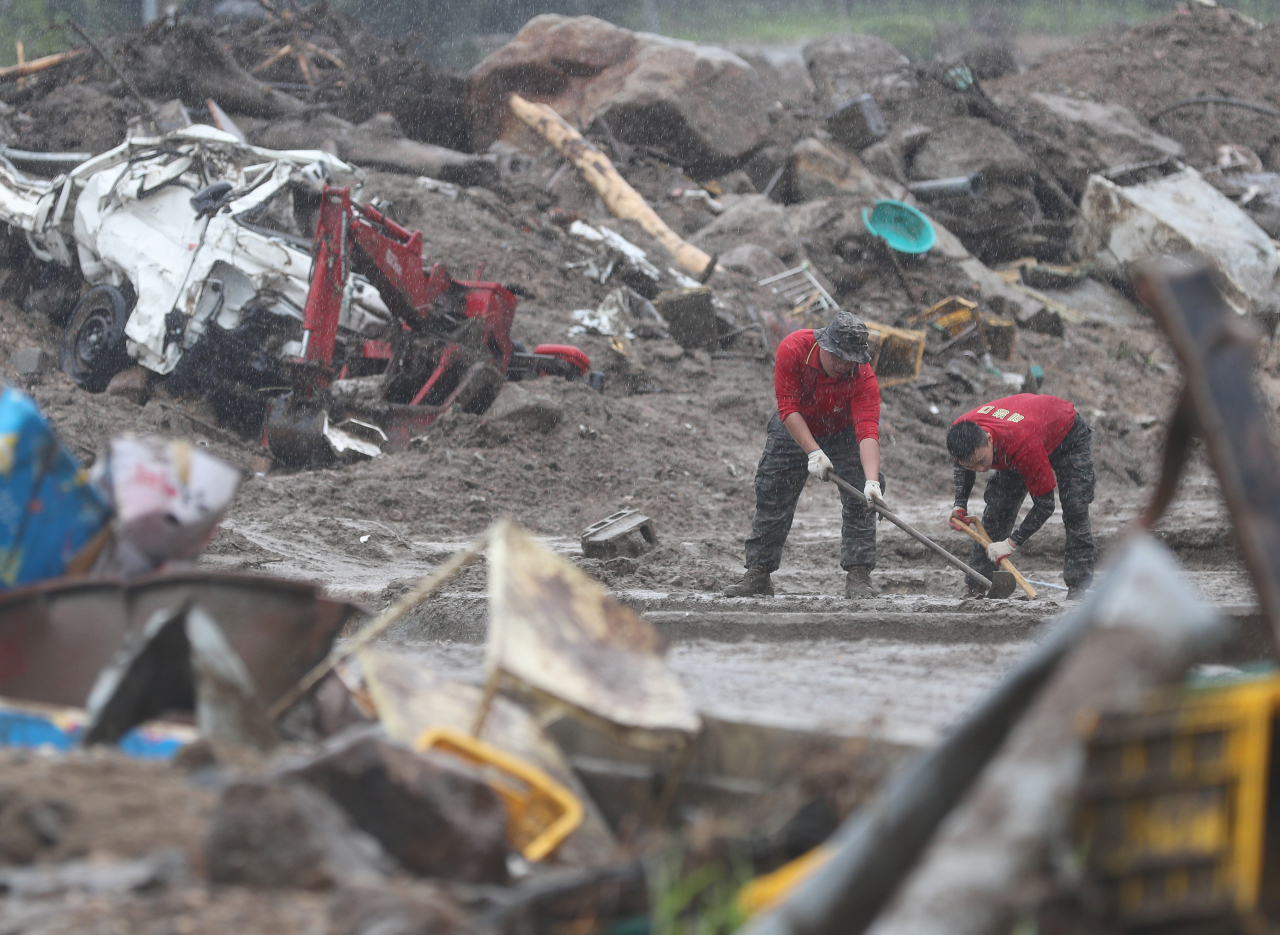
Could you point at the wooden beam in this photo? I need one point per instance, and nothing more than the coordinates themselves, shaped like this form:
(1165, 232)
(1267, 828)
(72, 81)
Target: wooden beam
(271, 59)
(617, 194)
(22, 69)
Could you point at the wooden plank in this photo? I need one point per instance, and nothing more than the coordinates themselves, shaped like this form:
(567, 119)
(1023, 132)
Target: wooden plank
(36, 65)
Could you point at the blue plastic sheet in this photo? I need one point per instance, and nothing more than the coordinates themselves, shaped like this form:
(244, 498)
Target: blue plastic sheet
(62, 730)
(48, 509)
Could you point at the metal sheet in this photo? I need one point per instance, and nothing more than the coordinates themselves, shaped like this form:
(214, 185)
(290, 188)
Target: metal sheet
(55, 637)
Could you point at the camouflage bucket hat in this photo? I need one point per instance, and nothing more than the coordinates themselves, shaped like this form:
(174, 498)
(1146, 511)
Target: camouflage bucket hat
(846, 337)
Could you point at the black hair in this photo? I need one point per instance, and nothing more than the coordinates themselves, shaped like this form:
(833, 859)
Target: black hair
(964, 438)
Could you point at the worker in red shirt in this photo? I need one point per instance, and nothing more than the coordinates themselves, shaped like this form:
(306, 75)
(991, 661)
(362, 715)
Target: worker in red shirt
(1035, 444)
(828, 422)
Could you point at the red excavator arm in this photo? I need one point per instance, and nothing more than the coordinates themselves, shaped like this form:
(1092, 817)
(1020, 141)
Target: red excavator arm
(452, 345)
(392, 260)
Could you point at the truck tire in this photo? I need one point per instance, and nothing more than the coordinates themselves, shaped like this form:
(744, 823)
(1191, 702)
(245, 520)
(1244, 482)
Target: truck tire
(93, 346)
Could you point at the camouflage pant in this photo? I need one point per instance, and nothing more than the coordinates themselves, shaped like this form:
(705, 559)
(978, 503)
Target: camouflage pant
(780, 477)
(1072, 463)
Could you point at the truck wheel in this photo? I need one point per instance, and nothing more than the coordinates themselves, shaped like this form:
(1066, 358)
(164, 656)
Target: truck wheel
(93, 346)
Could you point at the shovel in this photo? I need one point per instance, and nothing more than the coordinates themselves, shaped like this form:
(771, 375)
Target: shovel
(1007, 577)
(913, 533)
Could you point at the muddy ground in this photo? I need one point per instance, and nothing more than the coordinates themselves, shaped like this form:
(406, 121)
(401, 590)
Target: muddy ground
(676, 434)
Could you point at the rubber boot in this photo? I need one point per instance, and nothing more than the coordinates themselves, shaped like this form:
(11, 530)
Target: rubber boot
(754, 583)
(857, 583)
(1076, 592)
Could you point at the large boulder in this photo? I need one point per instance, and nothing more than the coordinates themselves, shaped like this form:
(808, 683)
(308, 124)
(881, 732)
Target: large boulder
(752, 260)
(702, 106)
(1081, 136)
(965, 145)
(820, 170)
(783, 72)
(751, 219)
(844, 65)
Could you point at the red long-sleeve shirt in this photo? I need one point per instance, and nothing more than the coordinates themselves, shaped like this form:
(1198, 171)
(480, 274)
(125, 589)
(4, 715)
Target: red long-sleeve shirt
(828, 404)
(1025, 429)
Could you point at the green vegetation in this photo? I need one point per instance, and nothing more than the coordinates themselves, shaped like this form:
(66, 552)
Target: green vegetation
(911, 25)
(37, 24)
(908, 27)
(692, 898)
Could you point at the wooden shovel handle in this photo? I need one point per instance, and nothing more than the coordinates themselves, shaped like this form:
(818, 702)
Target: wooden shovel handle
(980, 536)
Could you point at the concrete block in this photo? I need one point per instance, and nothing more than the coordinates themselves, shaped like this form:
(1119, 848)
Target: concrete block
(31, 361)
(625, 534)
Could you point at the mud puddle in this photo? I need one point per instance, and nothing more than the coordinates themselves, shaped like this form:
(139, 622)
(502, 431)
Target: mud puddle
(903, 692)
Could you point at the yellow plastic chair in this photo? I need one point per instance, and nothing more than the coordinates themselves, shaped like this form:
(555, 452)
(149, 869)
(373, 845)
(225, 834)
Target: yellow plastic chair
(541, 813)
(772, 889)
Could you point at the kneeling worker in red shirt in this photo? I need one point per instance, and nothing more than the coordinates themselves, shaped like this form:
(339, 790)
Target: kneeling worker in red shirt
(1034, 443)
(828, 422)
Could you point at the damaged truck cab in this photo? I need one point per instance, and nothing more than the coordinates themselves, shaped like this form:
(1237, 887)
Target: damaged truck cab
(238, 273)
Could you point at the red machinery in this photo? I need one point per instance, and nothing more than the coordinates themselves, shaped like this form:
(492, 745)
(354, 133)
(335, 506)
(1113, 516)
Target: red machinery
(450, 343)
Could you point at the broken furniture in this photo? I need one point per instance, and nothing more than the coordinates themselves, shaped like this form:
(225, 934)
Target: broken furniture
(801, 290)
(558, 636)
(541, 813)
(896, 353)
(958, 324)
(624, 534)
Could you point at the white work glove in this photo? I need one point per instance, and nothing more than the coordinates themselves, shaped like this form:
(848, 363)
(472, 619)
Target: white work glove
(999, 550)
(872, 492)
(820, 465)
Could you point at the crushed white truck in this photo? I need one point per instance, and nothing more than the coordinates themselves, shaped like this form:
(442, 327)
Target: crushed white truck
(241, 274)
(178, 235)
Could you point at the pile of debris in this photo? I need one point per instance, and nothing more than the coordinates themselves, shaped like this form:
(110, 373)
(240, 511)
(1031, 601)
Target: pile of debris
(316, 767)
(318, 785)
(775, 185)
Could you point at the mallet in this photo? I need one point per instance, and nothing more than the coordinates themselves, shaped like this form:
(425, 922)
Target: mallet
(980, 536)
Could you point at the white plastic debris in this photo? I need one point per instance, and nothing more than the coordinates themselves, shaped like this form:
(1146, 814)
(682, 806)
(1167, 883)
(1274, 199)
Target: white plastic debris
(168, 497)
(448, 189)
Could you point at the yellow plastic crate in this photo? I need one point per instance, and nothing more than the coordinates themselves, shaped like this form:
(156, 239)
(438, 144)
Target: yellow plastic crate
(1174, 808)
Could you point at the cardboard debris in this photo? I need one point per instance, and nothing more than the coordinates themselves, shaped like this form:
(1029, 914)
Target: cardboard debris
(167, 497)
(557, 633)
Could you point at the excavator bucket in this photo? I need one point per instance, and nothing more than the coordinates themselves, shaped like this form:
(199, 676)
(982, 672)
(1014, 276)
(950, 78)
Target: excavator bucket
(295, 433)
